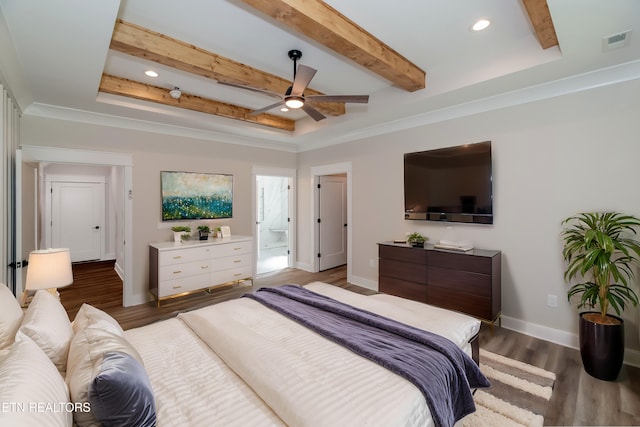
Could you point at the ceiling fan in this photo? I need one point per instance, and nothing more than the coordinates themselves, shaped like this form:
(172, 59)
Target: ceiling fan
(294, 96)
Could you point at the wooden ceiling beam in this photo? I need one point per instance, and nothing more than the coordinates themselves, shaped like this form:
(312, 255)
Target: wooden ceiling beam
(327, 26)
(540, 17)
(132, 89)
(143, 43)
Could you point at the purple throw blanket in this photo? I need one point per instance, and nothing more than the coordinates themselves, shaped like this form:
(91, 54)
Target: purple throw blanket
(442, 371)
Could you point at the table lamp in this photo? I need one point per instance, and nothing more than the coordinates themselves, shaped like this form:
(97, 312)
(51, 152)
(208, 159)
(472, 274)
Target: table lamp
(48, 269)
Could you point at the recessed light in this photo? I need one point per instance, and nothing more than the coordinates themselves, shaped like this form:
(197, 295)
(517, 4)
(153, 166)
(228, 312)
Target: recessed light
(481, 24)
(151, 73)
(284, 109)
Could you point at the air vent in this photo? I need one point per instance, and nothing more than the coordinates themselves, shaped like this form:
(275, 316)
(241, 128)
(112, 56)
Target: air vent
(616, 41)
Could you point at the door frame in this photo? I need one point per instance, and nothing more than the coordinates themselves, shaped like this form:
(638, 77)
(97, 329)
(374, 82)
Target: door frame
(280, 172)
(316, 173)
(99, 158)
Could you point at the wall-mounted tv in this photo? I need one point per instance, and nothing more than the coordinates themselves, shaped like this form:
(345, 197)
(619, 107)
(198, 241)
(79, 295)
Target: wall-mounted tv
(449, 184)
(190, 195)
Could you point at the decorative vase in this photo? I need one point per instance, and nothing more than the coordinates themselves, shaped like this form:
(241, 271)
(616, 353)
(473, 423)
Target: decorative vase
(177, 236)
(601, 347)
(203, 235)
(417, 244)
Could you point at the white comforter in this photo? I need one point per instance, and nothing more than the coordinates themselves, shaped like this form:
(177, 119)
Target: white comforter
(238, 363)
(192, 385)
(306, 379)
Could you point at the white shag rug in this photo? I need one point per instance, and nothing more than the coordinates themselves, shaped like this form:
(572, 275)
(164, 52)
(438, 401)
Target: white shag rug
(518, 396)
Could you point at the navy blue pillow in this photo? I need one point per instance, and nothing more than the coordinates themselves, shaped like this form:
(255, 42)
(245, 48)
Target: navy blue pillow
(121, 395)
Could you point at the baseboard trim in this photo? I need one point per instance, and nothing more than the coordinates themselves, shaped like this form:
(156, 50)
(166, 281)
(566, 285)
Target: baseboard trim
(567, 339)
(304, 267)
(365, 283)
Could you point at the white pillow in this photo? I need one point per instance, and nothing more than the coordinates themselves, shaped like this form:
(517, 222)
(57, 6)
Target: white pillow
(86, 354)
(89, 316)
(47, 324)
(33, 392)
(10, 316)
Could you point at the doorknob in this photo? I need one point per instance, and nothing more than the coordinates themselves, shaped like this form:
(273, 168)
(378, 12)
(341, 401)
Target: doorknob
(97, 227)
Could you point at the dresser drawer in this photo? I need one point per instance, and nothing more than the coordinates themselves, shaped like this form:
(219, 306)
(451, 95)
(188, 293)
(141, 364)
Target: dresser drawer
(226, 263)
(230, 249)
(183, 255)
(403, 270)
(461, 281)
(401, 288)
(224, 276)
(465, 262)
(472, 305)
(403, 253)
(178, 271)
(186, 284)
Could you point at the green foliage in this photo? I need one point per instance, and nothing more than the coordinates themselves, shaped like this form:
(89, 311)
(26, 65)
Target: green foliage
(204, 229)
(181, 228)
(597, 247)
(416, 238)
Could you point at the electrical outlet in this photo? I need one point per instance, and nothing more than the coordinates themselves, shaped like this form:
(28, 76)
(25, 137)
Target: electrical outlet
(372, 263)
(552, 300)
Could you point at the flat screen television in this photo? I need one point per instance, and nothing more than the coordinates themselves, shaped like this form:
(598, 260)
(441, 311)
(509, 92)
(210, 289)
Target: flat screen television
(449, 184)
(190, 195)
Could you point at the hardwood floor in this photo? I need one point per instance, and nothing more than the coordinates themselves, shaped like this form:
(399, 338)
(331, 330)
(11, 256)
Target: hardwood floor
(578, 399)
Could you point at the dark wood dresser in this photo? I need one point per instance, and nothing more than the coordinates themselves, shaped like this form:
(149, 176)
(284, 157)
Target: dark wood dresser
(468, 282)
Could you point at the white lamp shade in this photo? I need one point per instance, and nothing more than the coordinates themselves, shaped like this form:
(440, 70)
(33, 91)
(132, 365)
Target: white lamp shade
(49, 268)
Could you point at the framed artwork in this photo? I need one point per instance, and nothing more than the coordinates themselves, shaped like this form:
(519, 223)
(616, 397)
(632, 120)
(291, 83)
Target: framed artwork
(191, 195)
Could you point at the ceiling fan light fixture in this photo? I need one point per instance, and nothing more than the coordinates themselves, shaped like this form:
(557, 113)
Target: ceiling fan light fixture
(294, 102)
(151, 73)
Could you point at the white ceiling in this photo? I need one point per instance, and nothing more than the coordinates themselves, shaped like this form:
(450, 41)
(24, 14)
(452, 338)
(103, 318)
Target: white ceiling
(62, 49)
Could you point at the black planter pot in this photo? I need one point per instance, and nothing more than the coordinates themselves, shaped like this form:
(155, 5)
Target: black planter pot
(601, 348)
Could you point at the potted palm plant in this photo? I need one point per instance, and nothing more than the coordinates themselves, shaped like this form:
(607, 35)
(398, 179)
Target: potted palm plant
(599, 248)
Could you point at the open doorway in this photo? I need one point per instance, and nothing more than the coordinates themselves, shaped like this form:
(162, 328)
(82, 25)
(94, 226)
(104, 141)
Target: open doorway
(272, 233)
(274, 214)
(118, 227)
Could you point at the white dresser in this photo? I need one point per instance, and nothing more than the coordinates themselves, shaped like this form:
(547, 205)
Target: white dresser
(177, 269)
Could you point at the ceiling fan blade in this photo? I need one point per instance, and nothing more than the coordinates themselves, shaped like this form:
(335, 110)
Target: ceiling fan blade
(312, 112)
(358, 99)
(267, 108)
(303, 77)
(253, 89)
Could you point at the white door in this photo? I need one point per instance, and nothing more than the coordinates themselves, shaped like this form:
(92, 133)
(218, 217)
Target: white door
(77, 218)
(332, 223)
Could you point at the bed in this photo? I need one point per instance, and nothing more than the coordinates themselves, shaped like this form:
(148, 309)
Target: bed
(233, 363)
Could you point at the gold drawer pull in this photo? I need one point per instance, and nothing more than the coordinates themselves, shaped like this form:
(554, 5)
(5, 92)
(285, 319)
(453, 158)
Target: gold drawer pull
(177, 272)
(237, 274)
(237, 249)
(177, 257)
(204, 267)
(237, 261)
(177, 287)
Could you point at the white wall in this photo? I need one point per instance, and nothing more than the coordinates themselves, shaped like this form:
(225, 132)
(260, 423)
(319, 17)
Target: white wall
(153, 153)
(552, 159)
